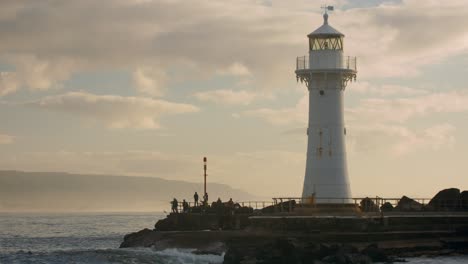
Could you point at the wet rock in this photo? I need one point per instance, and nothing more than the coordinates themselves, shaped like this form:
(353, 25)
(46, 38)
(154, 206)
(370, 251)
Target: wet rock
(342, 258)
(232, 256)
(445, 200)
(337, 259)
(142, 238)
(280, 251)
(359, 259)
(464, 200)
(291, 252)
(375, 253)
(407, 204)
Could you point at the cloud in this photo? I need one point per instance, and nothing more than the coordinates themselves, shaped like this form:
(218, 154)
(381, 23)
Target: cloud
(284, 116)
(34, 73)
(114, 111)
(420, 104)
(6, 139)
(8, 83)
(150, 81)
(241, 38)
(399, 140)
(229, 97)
(235, 69)
(380, 124)
(383, 90)
(402, 109)
(394, 40)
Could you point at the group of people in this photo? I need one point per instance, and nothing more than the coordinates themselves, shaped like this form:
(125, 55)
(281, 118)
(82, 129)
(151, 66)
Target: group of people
(186, 206)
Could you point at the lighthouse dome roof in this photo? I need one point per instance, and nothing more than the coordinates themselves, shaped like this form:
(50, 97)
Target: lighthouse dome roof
(325, 29)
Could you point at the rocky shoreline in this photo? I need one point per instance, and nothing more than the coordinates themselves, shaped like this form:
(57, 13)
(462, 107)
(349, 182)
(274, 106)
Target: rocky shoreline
(292, 247)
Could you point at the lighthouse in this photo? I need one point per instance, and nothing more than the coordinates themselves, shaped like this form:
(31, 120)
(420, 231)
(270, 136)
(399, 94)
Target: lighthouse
(326, 72)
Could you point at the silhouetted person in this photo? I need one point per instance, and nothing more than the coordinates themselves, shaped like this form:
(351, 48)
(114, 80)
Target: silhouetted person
(175, 204)
(185, 206)
(219, 206)
(205, 198)
(230, 203)
(195, 198)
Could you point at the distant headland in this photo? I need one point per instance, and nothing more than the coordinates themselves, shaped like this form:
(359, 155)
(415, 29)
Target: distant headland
(57, 192)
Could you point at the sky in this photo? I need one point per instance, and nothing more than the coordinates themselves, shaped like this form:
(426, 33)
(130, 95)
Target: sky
(150, 87)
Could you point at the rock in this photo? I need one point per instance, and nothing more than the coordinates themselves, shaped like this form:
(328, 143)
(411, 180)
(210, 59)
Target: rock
(358, 259)
(232, 256)
(375, 253)
(368, 205)
(386, 207)
(336, 259)
(324, 250)
(464, 200)
(165, 224)
(217, 248)
(345, 254)
(408, 204)
(142, 238)
(445, 200)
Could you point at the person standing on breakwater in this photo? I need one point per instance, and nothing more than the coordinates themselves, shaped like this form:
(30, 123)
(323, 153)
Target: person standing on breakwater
(230, 203)
(175, 204)
(205, 199)
(185, 206)
(195, 198)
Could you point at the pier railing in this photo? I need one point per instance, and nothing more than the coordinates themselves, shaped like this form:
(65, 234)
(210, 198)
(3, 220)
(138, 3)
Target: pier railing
(347, 63)
(366, 204)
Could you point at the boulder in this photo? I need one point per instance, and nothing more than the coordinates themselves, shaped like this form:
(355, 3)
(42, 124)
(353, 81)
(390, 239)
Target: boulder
(142, 238)
(375, 253)
(368, 205)
(233, 256)
(464, 200)
(407, 204)
(445, 200)
(386, 207)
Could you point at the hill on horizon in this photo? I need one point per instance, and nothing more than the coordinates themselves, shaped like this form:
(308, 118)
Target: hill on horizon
(57, 191)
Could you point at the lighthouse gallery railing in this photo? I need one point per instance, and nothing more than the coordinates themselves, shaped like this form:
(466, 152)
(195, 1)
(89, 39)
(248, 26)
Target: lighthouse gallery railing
(348, 63)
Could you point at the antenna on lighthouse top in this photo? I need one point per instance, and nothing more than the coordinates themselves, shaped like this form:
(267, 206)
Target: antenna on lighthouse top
(325, 14)
(327, 8)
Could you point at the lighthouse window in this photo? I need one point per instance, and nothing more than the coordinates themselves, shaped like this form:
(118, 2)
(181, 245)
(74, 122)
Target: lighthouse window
(326, 43)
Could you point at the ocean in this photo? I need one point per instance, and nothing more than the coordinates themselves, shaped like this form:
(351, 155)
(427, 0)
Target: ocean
(83, 238)
(95, 237)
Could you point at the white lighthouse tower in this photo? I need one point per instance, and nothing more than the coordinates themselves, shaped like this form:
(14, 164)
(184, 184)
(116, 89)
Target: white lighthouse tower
(326, 72)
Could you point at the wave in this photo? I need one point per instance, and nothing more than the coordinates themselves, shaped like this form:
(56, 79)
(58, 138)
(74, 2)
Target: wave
(104, 256)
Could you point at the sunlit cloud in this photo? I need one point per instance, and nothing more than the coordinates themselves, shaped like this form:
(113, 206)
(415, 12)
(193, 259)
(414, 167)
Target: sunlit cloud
(283, 116)
(398, 140)
(6, 139)
(150, 81)
(235, 69)
(402, 109)
(230, 97)
(245, 39)
(385, 90)
(114, 111)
